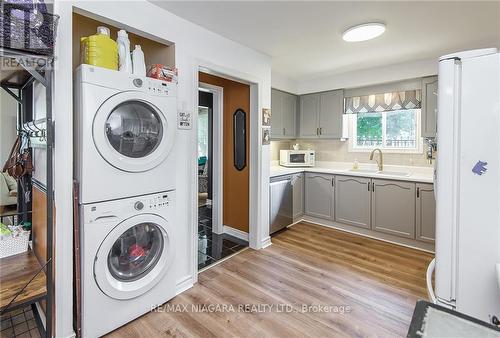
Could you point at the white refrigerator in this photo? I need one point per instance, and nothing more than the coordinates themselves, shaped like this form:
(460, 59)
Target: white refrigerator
(467, 185)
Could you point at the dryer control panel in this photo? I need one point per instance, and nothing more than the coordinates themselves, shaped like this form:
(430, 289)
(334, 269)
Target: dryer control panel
(158, 201)
(122, 81)
(154, 86)
(158, 87)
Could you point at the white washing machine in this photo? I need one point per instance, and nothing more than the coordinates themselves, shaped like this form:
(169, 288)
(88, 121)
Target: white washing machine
(128, 252)
(125, 130)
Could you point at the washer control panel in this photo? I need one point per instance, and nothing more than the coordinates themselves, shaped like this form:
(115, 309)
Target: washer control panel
(116, 210)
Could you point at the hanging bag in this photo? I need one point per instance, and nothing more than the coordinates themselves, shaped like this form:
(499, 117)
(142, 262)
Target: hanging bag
(10, 164)
(18, 164)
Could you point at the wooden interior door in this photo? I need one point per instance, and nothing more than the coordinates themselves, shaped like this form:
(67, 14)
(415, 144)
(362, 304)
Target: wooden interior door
(235, 182)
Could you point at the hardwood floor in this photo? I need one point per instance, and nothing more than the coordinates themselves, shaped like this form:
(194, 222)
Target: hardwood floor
(376, 283)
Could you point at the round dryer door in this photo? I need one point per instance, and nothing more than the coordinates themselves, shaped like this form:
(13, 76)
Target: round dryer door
(134, 256)
(131, 133)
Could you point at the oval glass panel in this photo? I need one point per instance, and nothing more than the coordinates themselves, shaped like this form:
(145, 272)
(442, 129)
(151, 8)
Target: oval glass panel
(240, 140)
(136, 252)
(134, 129)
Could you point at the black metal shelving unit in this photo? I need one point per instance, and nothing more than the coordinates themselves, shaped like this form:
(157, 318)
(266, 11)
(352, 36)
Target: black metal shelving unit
(33, 67)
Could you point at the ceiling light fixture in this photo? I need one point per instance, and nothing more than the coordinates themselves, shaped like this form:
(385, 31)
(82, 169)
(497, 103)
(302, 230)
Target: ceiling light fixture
(366, 31)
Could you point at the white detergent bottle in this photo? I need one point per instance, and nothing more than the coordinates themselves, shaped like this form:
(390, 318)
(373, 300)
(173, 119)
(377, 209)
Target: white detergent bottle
(138, 63)
(124, 60)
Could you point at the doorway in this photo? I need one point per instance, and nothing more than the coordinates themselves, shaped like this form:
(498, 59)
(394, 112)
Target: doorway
(222, 217)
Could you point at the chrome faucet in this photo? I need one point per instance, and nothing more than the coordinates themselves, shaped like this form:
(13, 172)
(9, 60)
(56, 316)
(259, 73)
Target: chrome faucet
(381, 163)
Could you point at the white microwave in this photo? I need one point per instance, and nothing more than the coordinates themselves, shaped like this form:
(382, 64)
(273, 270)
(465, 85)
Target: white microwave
(297, 158)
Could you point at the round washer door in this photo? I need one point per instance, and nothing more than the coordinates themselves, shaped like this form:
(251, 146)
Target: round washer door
(131, 133)
(134, 256)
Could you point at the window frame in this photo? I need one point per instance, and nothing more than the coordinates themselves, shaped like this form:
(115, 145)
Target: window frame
(352, 130)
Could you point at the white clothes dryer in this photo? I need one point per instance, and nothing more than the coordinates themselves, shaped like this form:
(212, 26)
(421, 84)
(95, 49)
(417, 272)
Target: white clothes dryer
(125, 128)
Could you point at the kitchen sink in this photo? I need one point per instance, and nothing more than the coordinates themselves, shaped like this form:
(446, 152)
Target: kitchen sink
(364, 171)
(381, 173)
(393, 173)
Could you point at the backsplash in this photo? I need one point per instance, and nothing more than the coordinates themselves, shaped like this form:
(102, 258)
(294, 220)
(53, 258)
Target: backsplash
(338, 151)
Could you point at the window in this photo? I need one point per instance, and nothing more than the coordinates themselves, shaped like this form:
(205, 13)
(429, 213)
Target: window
(394, 131)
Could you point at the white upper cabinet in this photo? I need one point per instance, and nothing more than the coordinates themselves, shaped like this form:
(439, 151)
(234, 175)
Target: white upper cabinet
(309, 116)
(276, 114)
(283, 115)
(331, 108)
(289, 115)
(321, 115)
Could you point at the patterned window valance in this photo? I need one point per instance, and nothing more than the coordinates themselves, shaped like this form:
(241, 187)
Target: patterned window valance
(410, 99)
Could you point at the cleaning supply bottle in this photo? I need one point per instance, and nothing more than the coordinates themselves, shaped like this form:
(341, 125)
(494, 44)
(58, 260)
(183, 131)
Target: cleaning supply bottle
(124, 60)
(355, 165)
(138, 63)
(99, 49)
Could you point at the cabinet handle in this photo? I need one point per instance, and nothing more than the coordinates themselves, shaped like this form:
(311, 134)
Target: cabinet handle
(332, 181)
(373, 186)
(317, 131)
(368, 186)
(320, 130)
(418, 192)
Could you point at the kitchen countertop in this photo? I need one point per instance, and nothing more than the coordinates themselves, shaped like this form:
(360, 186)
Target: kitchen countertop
(416, 174)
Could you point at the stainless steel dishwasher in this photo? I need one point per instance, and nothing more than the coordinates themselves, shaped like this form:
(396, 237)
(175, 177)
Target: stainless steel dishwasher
(280, 203)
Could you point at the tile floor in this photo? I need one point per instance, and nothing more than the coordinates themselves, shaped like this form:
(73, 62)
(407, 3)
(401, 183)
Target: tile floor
(19, 323)
(211, 246)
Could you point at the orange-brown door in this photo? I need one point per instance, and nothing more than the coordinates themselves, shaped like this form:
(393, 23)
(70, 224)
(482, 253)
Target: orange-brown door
(235, 182)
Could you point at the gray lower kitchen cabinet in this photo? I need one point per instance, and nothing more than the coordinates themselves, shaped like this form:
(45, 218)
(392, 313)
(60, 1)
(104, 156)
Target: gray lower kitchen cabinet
(429, 106)
(319, 195)
(298, 195)
(330, 114)
(393, 207)
(353, 200)
(426, 213)
(284, 115)
(309, 116)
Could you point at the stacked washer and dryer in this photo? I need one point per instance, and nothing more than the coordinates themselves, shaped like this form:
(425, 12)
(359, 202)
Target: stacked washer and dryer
(125, 131)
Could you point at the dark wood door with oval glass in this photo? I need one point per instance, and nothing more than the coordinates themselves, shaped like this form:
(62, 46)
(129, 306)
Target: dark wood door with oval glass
(236, 162)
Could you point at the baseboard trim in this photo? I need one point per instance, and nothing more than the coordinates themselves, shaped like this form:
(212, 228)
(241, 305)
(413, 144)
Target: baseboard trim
(183, 285)
(235, 232)
(266, 242)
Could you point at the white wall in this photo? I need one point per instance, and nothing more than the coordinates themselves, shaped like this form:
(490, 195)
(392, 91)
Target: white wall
(338, 151)
(359, 78)
(8, 118)
(284, 83)
(193, 46)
